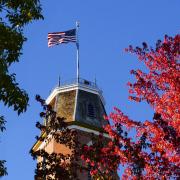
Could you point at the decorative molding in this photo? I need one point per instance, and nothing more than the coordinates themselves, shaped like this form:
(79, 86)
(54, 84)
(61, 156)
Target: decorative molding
(75, 105)
(87, 130)
(45, 142)
(42, 144)
(58, 90)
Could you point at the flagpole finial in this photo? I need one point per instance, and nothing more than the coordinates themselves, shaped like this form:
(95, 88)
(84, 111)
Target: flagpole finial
(77, 45)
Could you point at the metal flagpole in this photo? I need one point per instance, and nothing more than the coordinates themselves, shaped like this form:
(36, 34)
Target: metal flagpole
(77, 45)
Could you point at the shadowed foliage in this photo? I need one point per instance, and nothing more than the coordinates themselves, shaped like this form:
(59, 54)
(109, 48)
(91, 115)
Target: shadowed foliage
(56, 165)
(15, 15)
(66, 166)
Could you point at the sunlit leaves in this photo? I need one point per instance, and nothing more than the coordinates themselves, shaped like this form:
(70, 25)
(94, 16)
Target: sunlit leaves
(153, 153)
(152, 150)
(21, 12)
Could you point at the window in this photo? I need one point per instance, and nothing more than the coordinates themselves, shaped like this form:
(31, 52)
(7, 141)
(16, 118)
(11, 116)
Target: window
(90, 111)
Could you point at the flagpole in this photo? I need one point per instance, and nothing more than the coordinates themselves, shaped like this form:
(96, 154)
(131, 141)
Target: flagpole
(77, 45)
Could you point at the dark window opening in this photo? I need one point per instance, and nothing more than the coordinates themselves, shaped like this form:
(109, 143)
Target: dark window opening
(91, 112)
(86, 82)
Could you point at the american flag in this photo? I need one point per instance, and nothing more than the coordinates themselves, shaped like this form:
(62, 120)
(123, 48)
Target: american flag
(56, 38)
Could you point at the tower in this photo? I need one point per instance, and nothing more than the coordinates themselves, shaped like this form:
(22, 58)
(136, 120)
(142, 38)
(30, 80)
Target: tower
(82, 105)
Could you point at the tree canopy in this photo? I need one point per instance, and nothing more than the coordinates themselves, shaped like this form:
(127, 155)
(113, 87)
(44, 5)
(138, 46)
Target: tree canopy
(153, 151)
(56, 165)
(15, 15)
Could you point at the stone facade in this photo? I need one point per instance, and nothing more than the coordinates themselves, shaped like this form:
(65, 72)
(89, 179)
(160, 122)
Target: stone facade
(65, 104)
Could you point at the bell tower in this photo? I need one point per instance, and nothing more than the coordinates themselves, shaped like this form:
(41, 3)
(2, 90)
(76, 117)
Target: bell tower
(82, 105)
(79, 101)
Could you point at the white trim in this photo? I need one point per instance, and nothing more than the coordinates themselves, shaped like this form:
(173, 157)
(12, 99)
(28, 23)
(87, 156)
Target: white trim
(87, 130)
(58, 90)
(56, 102)
(43, 144)
(46, 141)
(75, 105)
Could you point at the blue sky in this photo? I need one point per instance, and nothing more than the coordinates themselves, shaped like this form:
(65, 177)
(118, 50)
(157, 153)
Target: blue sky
(106, 28)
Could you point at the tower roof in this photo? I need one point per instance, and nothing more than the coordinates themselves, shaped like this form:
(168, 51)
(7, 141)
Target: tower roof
(79, 102)
(72, 85)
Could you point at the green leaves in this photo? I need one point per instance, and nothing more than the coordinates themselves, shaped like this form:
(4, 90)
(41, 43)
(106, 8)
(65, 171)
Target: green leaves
(2, 124)
(15, 14)
(3, 169)
(11, 43)
(21, 12)
(56, 164)
(11, 94)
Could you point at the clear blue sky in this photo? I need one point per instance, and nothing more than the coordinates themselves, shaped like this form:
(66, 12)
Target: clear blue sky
(106, 28)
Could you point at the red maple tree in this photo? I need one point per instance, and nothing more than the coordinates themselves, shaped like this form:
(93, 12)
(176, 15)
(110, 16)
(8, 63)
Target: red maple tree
(153, 152)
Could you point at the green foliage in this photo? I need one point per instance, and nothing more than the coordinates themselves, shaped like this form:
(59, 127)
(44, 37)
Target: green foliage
(56, 165)
(3, 169)
(2, 124)
(21, 12)
(15, 14)
(11, 43)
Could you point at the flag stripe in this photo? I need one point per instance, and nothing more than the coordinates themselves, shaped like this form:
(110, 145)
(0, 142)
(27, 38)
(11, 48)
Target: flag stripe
(61, 37)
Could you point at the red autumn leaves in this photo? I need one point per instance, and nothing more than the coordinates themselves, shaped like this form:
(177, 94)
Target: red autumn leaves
(151, 151)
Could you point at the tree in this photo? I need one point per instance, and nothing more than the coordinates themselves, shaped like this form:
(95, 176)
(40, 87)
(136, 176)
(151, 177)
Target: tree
(15, 15)
(153, 152)
(3, 169)
(56, 165)
(62, 165)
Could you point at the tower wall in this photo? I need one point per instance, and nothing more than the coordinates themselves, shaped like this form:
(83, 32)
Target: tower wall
(82, 107)
(65, 104)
